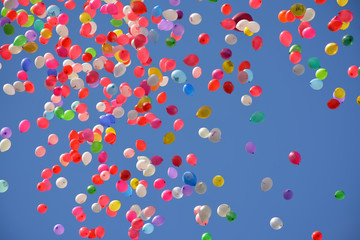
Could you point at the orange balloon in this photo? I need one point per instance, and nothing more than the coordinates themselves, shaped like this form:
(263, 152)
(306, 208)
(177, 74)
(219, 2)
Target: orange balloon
(140, 145)
(214, 85)
(226, 9)
(141, 120)
(161, 97)
(282, 16)
(156, 87)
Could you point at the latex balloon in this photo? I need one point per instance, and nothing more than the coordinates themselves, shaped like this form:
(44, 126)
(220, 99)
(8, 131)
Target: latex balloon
(331, 49)
(339, 195)
(250, 147)
(218, 181)
(223, 210)
(205, 213)
(4, 186)
(257, 117)
(204, 112)
(317, 235)
(288, 194)
(231, 216)
(295, 157)
(276, 223)
(266, 184)
(285, 38)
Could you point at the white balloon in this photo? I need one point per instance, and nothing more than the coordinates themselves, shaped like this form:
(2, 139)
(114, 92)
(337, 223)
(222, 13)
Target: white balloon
(49, 107)
(93, 28)
(19, 86)
(77, 83)
(200, 188)
(196, 72)
(195, 18)
(204, 132)
(164, 81)
(223, 209)
(9, 89)
(100, 127)
(5, 145)
(205, 213)
(96, 207)
(9, 4)
(98, 64)
(68, 62)
(39, 62)
(61, 182)
(266, 184)
(254, 27)
(149, 171)
(118, 112)
(141, 165)
(170, 15)
(276, 223)
(86, 67)
(242, 24)
(144, 31)
(100, 106)
(15, 49)
(177, 193)
(86, 158)
(153, 80)
(246, 100)
(119, 69)
(215, 135)
(132, 114)
(77, 67)
(62, 30)
(141, 191)
(231, 39)
(80, 198)
(298, 69)
(309, 15)
(127, 10)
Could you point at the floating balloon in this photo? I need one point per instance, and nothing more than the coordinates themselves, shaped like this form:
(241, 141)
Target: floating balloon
(276, 223)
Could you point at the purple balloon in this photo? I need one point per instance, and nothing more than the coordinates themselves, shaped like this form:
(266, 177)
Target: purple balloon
(341, 100)
(174, 2)
(59, 229)
(59, 104)
(95, 84)
(178, 30)
(165, 25)
(172, 172)
(5, 132)
(288, 194)
(225, 53)
(180, 14)
(187, 190)
(158, 220)
(4, 21)
(250, 147)
(156, 160)
(31, 35)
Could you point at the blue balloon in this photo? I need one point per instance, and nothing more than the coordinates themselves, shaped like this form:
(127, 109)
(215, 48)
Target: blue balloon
(153, 35)
(105, 121)
(111, 89)
(26, 64)
(74, 104)
(178, 76)
(188, 89)
(53, 11)
(189, 178)
(48, 115)
(51, 72)
(111, 118)
(148, 228)
(250, 75)
(156, 12)
(128, 192)
(316, 84)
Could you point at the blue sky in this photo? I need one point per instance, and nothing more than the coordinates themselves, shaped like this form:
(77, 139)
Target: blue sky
(297, 119)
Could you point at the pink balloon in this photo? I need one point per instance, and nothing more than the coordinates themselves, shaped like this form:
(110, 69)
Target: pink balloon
(149, 211)
(257, 43)
(131, 215)
(24, 126)
(285, 38)
(197, 209)
(75, 52)
(103, 200)
(255, 3)
(178, 124)
(166, 195)
(121, 186)
(346, 16)
(302, 26)
(102, 168)
(40, 151)
(143, 55)
(217, 74)
(77, 211)
(309, 33)
(63, 18)
(48, 184)
(197, 218)
(159, 183)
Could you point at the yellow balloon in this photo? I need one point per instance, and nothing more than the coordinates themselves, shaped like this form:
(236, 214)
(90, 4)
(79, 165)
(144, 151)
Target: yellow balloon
(107, 48)
(97, 137)
(169, 138)
(331, 49)
(134, 183)
(30, 47)
(156, 71)
(204, 112)
(32, 9)
(115, 205)
(345, 25)
(85, 17)
(339, 93)
(298, 9)
(342, 2)
(143, 100)
(358, 100)
(228, 66)
(46, 33)
(110, 130)
(248, 32)
(218, 181)
(118, 32)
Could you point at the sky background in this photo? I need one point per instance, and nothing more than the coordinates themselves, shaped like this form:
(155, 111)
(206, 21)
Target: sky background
(297, 119)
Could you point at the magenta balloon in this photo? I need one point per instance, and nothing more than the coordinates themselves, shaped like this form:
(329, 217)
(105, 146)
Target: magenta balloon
(121, 186)
(295, 158)
(24, 126)
(250, 147)
(145, 86)
(156, 160)
(103, 157)
(88, 135)
(155, 123)
(172, 173)
(240, 16)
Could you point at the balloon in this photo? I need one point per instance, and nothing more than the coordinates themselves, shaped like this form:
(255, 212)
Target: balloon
(317, 235)
(309, 33)
(341, 3)
(218, 181)
(189, 178)
(255, 4)
(285, 38)
(298, 9)
(191, 60)
(348, 40)
(266, 184)
(203, 112)
(188, 89)
(314, 63)
(191, 159)
(178, 76)
(295, 158)
(257, 43)
(223, 210)
(170, 42)
(148, 228)
(187, 190)
(195, 18)
(339, 93)
(316, 84)
(257, 117)
(59, 229)
(333, 103)
(158, 220)
(204, 132)
(178, 124)
(228, 87)
(276, 223)
(241, 16)
(231, 216)
(255, 91)
(4, 186)
(5, 132)
(331, 49)
(298, 69)
(250, 147)
(166, 195)
(200, 188)
(80, 198)
(288, 194)
(339, 195)
(309, 15)
(205, 213)
(295, 57)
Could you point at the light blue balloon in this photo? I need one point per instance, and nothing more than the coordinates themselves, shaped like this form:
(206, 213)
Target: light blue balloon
(178, 76)
(153, 35)
(129, 191)
(4, 187)
(188, 89)
(48, 115)
(74, 104)
(250, 75)
(53, 11)
(316, 84)
(148, 228)
(156, 12)
(111, 89)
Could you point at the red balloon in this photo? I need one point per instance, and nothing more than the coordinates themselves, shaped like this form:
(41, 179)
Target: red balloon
(302, 26)
(203, 38)
(317, 235)
(255, 91)
(295, 158)
(334, 25)
(125, 175)
(333, 104)
(100, 232)
(257, 42)
(84, 232)
(191, 60)
(295, 57)
(244, 65)
(138, 7)
(228, 87)
(228, 24)
(42, 208)
(137, 223)
(320, 1)
(346, 16)
(42, 122)
(176, 161)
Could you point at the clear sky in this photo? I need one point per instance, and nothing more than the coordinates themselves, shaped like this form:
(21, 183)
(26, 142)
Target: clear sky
(297, 119)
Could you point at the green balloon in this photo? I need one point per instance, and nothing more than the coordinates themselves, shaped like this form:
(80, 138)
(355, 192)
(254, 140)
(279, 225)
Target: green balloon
(91, 189)
(30, 21)
(321, 73)
(314, 63)
(91, 51)
(9, 29)
(20, 41)
(348, 40)
(3, 186)
(35, 1)
(69, 115)
(96, 147)
(39, 25)
(231, 216)
(170, 42)
(212, 0)
(295, 47)
(206, 236)
(339, 195)
(4, 11)
(359, 71)
(59, 112)
(116, 23)
(257, 117)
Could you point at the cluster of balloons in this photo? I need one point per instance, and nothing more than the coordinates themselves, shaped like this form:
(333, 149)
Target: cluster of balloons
(5, 143)
(338, 98)
(214, 135)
